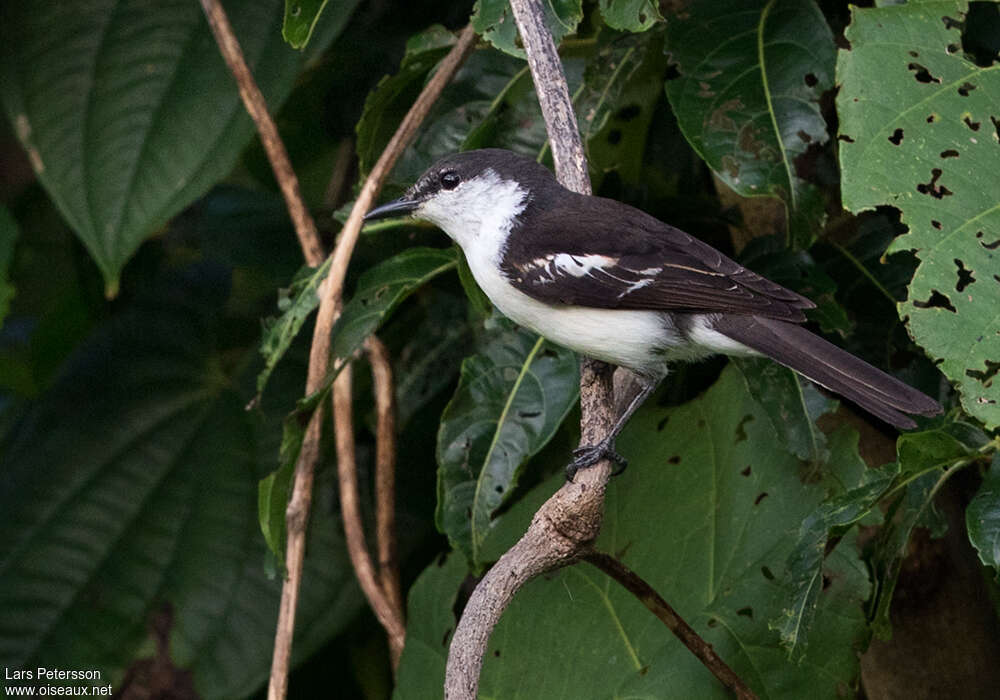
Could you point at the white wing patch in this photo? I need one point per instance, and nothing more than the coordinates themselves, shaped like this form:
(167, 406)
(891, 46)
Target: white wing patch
(555, 266)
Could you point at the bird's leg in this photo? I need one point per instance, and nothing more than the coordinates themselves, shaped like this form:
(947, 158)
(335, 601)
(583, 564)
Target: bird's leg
(589, 455)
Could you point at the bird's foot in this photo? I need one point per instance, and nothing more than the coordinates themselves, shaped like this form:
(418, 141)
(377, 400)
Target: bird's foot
(589, 455)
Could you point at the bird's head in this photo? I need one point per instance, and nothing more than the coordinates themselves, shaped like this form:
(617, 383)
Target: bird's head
(473, 194)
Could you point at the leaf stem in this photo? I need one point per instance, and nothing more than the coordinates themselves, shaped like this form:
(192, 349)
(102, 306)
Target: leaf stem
(864, 271)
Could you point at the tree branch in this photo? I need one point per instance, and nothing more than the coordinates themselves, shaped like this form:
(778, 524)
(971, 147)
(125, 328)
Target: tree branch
(385, 486)
(297, 513)
(674, 622)
(569, 521)
(253, 100)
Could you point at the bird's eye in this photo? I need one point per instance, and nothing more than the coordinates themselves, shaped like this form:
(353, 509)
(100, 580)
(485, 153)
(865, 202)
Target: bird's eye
(450, 180)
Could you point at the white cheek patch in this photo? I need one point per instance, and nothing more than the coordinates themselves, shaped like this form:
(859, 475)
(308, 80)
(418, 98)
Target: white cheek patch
(486, 205)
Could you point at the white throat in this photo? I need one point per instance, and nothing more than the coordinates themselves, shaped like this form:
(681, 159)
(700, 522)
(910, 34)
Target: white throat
(478, 214)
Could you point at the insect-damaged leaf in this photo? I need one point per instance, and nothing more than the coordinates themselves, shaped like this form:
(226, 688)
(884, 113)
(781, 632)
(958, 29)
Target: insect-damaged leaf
(747, 97)
(920, 131)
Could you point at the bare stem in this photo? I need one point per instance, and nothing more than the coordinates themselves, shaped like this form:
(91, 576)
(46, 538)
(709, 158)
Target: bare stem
(297, 514)
(674, 622)
(253, 100)
(385, 487)
(350, 510)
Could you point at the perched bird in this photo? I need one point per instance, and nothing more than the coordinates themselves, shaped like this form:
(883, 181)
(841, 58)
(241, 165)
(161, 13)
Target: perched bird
(613, 283)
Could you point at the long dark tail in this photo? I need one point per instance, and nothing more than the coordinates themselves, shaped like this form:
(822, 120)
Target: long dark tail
(829, 366)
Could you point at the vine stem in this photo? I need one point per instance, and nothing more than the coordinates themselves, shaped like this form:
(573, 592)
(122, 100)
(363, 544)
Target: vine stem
(380, 585)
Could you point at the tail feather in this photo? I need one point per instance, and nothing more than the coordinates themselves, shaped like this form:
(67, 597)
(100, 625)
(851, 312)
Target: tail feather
(829, 366)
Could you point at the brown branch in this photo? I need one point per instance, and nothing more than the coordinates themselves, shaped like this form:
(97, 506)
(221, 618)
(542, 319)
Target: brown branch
(674, 622)
(297, 513)
(253, 100)
(385, 481)
(569, 521)
(350, 510)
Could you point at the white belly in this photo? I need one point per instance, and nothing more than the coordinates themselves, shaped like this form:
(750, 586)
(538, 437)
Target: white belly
(632, 339)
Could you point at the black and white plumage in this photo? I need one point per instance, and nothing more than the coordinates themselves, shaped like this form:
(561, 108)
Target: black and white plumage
(611, 282)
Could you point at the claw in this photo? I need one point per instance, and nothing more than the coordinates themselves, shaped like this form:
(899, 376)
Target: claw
(589, 455)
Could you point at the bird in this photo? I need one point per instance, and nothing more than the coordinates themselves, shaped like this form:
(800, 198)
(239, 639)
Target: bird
(616, 284)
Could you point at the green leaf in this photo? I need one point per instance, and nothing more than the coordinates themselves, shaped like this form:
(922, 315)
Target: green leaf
(388, 103)
(430, 620)
(916, 133)
(747, 98)
(494, 21)
(145, 500)
(127, 110)
(803, 578)
(705, 514)
(8, 237)
(301, 17)
(926, 460)
(982, 517)
(382, 288)
(296, 304)
(630, 15)
(510, 400)
(792, 404)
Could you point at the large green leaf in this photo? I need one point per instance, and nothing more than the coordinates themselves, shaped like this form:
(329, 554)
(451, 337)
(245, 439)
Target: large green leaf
(747, 97)
(982, 517)
(127, 110)
(131, 486)
(510, 400)
(705, 513)
(494, 21)
(918, 125)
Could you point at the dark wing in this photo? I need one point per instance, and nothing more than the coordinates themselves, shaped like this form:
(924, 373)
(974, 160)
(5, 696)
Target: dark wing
(615, 256)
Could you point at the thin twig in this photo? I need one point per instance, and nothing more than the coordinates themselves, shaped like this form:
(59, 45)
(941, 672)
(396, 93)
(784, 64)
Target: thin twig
(350, 510)
(385, 481)
(297, 513)
(569, 521)
(674, 622)
(253, 100)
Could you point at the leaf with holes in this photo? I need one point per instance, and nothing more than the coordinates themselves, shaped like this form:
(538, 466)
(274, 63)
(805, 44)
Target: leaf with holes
(494, 21)
(143, 502)
(982, 518)
(128, 111)
(747, 97)
(630, 15)
(920, 130)
(510, 400)
(704, 514)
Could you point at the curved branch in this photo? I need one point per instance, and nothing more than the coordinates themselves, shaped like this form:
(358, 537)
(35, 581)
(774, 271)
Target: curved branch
(253, 101)
(385, 486)
(297, 513)
(569, 521)
(674, 622)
